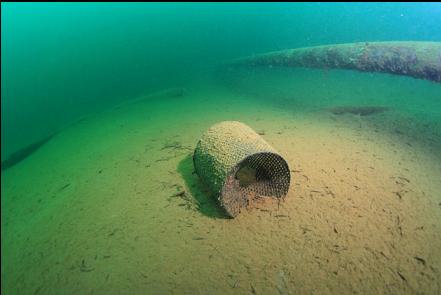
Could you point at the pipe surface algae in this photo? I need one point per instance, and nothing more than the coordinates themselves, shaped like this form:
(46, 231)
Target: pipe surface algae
(415, 59)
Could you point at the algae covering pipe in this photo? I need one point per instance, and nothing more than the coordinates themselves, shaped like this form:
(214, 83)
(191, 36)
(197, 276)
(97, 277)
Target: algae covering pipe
(415, 59)
(239, 166)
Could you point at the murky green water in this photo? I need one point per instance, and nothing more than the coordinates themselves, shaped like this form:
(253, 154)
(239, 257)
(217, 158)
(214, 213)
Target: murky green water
(103, 104)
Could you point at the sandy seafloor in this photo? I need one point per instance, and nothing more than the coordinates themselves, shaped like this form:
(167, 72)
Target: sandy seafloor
(93, 211)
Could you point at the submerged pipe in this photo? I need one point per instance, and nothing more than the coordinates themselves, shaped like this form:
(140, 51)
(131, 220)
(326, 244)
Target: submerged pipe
(415, 59)
(23, 153)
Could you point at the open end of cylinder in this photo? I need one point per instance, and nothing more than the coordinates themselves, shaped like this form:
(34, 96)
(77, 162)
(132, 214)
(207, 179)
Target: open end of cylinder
(265, 174)
(258, 175)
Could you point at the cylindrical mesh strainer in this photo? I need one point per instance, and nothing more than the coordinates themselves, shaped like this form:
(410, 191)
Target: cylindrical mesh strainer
(239, 166)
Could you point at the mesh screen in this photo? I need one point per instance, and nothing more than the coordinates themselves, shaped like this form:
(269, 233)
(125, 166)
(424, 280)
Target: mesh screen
(239, 166)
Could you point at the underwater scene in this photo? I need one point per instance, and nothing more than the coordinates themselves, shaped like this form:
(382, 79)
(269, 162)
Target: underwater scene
(220, 148)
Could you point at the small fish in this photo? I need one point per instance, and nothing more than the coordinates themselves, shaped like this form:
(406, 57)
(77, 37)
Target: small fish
(420, 260)
(64, 187)
(246, 176)
(401, 276)
(178, 194)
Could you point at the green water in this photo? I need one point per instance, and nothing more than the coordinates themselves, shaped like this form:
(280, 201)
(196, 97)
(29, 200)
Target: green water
(66, 60)
(128, 89)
